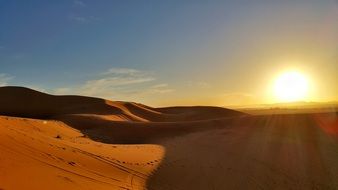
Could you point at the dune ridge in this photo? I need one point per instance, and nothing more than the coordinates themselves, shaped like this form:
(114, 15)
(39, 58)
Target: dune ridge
(25, 102)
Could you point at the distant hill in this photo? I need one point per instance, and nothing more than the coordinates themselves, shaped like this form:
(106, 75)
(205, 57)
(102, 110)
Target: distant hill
(25, 102)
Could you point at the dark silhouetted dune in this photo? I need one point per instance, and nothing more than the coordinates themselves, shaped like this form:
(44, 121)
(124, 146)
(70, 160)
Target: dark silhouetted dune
(19, 101)
(24, 102)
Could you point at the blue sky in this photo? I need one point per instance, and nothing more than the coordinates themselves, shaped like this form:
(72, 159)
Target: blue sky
(168, 52)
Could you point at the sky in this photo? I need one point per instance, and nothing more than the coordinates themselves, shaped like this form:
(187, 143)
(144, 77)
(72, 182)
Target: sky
(160, 53)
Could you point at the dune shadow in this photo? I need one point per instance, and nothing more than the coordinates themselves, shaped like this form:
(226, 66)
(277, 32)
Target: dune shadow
(256, 152)
(122, 132)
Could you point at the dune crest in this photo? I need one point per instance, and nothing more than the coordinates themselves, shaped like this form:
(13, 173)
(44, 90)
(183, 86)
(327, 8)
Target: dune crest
(25, 102)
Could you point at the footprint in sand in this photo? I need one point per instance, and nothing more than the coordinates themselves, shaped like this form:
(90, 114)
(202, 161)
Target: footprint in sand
(72, 163)
(64, 178)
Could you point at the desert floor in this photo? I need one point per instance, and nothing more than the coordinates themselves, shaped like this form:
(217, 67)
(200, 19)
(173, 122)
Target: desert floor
(74, 143)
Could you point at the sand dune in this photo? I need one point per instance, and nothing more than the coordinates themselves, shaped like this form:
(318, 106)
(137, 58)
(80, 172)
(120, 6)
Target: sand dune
(24, 102)
(74, 142)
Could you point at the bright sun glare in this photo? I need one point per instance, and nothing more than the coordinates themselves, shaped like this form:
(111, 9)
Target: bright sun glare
(291, 86)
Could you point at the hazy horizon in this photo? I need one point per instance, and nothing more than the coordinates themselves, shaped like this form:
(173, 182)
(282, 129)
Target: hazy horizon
(170, 53)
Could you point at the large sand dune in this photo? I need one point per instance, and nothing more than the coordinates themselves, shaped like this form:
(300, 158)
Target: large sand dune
(74, 142)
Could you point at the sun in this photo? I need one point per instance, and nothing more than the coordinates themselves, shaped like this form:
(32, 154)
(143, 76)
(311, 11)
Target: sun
(291, 86)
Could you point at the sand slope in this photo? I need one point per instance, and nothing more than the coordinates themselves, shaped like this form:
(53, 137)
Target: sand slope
(74, 142)
(39, 154)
